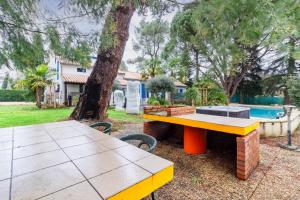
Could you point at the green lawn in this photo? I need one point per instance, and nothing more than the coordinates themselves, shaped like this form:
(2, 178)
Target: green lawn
(27, 115)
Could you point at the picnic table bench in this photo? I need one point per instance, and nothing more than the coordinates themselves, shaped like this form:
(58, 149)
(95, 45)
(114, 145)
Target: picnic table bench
(196, 127)
(69, 160)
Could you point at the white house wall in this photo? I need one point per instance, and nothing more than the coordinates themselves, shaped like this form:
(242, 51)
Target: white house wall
(72, 69)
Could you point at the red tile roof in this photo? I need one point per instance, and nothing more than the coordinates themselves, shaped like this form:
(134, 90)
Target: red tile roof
(179, 84)
(71, 78)
(133, 76)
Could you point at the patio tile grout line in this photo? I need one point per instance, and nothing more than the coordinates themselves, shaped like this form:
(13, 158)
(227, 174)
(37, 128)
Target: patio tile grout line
(59, 148)
(32, 144)
(5, 179)
(65, 162)
(82, 134)
(40, 169)
(76, 166)
(92, 154)
(60, 190)
(36, 154)
(109, 170)
(12, 164)
(134, 162)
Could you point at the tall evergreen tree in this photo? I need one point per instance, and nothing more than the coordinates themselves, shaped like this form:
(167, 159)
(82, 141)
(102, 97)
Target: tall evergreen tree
(228, 40)
(150, 38)
(285, 60)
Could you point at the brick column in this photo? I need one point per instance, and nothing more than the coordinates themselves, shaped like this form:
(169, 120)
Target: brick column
(247, 154)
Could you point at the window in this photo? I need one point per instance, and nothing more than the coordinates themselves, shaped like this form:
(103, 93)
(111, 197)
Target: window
(179, 90)
(80, 88)
(81, 70)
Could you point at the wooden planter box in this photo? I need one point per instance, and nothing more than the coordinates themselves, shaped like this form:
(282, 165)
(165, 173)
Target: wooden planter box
(169, 110)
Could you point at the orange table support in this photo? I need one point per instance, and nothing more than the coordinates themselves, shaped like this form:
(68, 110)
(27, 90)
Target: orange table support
(194, 140)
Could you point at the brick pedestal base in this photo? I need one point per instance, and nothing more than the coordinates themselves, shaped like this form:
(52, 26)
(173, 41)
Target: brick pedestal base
(247, 154)
(247, 147)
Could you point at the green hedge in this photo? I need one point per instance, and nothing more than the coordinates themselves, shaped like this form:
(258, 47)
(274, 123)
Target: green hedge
(16, 95)
(259, 100)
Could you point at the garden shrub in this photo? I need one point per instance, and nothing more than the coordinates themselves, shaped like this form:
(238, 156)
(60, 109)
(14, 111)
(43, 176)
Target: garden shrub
(192, 95)
(164, 102)
(215, 94)
(16, 95)
(158, 102)
(158, 86)
(153, 101)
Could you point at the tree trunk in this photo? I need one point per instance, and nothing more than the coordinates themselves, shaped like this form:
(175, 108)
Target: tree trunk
(94, 101)
(38, 97)
(228, 100)
(197, 65)
(241, 97)
(287, 100)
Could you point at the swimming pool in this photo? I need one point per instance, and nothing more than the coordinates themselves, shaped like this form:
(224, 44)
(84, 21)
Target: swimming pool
(269, 113)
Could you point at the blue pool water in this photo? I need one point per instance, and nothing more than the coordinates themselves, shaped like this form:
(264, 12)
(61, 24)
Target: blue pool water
(269, 113)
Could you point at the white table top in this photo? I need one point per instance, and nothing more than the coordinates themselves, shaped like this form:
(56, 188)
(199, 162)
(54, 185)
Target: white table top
(228, 121)
(69, 160)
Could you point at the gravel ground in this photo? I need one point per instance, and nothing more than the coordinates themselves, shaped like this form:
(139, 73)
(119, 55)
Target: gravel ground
(212, 176)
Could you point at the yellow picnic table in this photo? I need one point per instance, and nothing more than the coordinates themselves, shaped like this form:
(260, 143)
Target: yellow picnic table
(230, 125)
(196, 127)
(69, 160)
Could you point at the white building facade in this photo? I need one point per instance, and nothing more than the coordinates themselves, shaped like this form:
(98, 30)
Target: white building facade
(70, 78)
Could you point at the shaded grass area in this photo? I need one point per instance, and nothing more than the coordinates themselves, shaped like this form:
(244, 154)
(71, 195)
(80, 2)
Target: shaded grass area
(27, 114)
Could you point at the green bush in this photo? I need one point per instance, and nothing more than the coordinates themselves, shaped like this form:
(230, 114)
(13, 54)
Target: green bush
(192, 95)
(158, 102)
(152, 101)
(16, 95)
(164, 102)
(215, 94)
(159, 86)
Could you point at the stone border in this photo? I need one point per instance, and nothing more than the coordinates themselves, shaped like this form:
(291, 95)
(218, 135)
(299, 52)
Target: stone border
(170, 110)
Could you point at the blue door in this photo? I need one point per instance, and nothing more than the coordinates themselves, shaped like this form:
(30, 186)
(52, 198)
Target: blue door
(144, 92)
